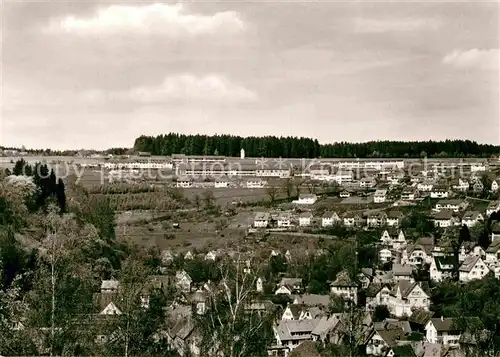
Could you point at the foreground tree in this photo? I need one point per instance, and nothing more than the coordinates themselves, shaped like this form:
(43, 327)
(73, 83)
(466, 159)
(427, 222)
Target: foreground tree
(227, 328)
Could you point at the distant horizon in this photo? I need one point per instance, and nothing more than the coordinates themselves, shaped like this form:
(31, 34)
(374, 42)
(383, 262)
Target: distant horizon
(5, 147)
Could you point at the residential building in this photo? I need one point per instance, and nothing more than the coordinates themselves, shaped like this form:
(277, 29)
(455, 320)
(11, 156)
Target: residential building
(441, 268)
(470, 249)
(329, 219)
(383, 339)
(221, 184)
(261, 220)
(109, 286)
(256, 184)
(212, 255)
(495, 231)
(259, 285)
(377, 219)
(284, 220)
(376, 295)
(440, 192)
(367, 182)
(402, 272)
(493, 206)
(394, 218)
(406, 296)
(345, 194)
(443, 330)
(385, 255)
(352, 219)
(450, 205)
(184, 183)
(345, 287)
(306, 199)
(425, 186)
(471, 218)
(183, 281)
(305, 219)
(380, 196)
(494, 185)
(289, 286)
(492, 254)
(291, 333)
(418, 253)
(445, 218)
(461, 185)
(472, 268)
(409, 194)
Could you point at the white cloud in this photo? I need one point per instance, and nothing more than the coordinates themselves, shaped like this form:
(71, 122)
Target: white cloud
(165, 19)
(364, 25)
(186, 87)
(484, 59)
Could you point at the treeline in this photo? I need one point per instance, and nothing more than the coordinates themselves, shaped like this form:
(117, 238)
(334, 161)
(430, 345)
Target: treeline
(48, 186)
(84, 152)
(272, 146)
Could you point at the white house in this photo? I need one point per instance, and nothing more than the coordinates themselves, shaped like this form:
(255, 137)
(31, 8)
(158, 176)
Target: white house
(284, 220)
(352, 219)
(471, 218)
(261, 220)
(380, 196)
(470, 249)
(406, 296)
(256, 184)
(259, 285)
(462, 185)
(289, 286)
(443, 330)
(409, 194)
(377, 219)
(110, 286)
(494, 206)
(290, 334)
(377, 294)
(367, 182)
(345, 194)
(472, 268)
(305, 219)
(419, 253)
(184, 183)
(402, 272)
(445, 218)
(386, 238)
(394, 218)
(183, 281)
(212, 255)
(450, 205)
(306, 199)
(382, 340)
(425, 186)
(494, 185)
(111, 309)
(396, 242)
(440, 192)
(441, 268)
(385, 255)
(329, 219)
(221, 184)
(345, 287)
(492, 253)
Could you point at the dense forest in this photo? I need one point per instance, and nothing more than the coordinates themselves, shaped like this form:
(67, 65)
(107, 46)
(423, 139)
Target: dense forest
(272, 146)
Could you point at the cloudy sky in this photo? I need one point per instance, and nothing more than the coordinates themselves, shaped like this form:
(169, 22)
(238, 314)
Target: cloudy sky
(98, 74)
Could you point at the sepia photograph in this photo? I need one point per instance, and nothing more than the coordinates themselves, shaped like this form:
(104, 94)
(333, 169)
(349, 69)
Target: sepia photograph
(250, 178)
